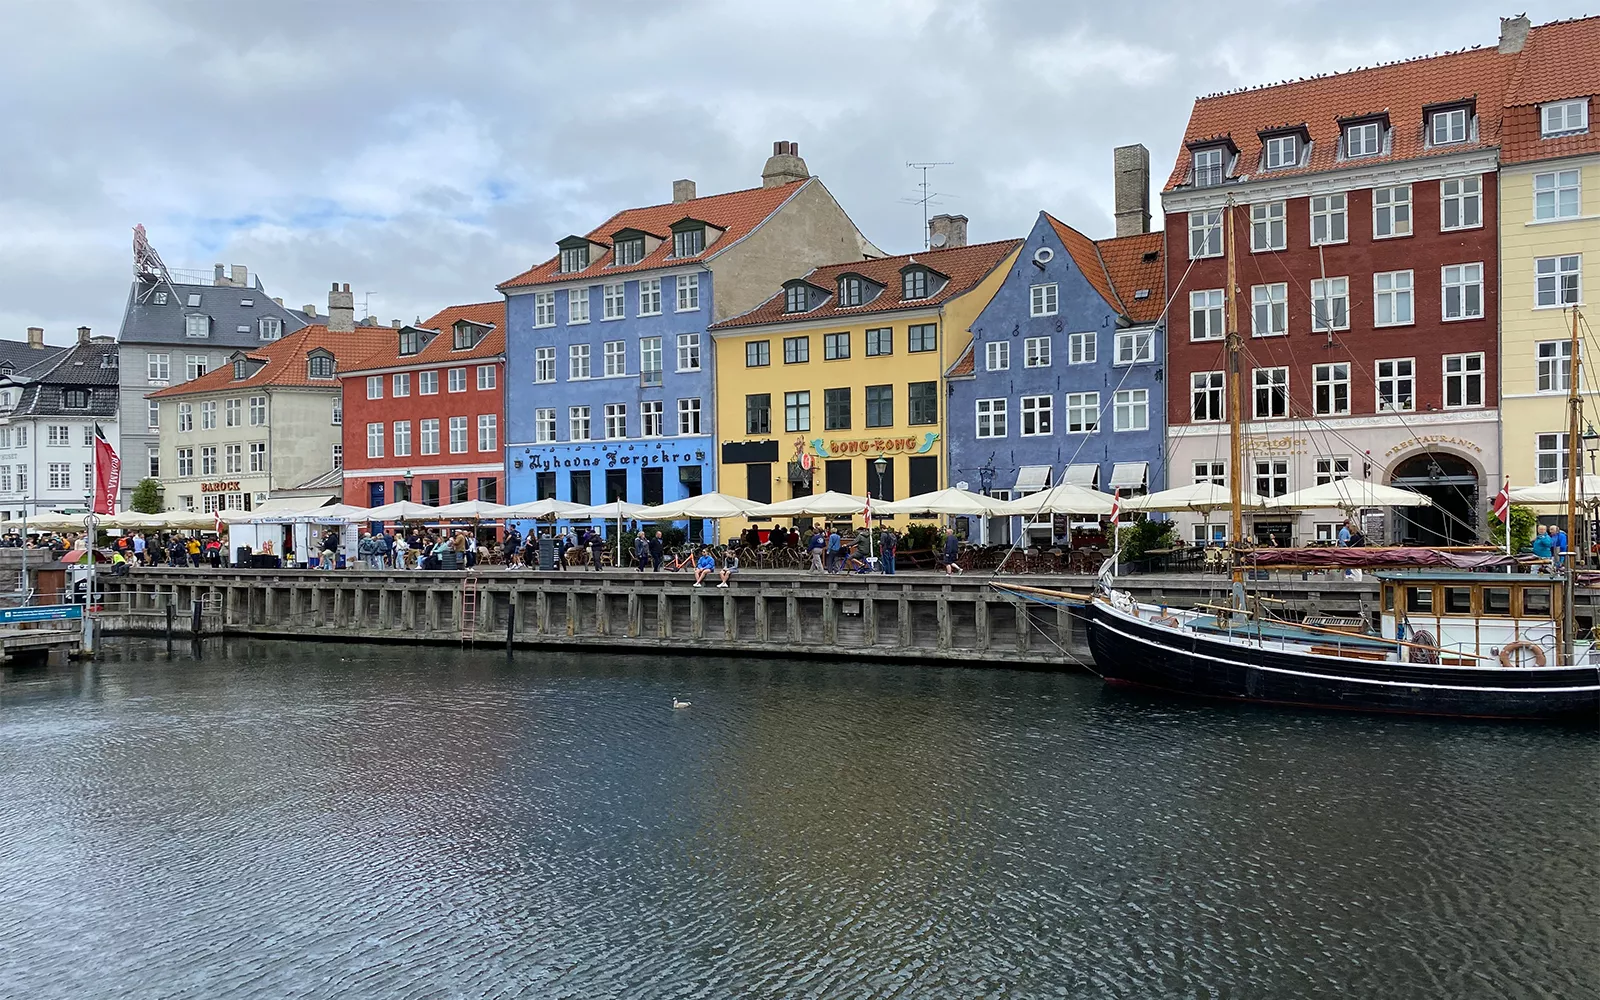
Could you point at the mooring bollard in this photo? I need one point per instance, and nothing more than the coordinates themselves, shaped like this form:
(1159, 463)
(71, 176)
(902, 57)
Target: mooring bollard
(194, 619)
(172, 615)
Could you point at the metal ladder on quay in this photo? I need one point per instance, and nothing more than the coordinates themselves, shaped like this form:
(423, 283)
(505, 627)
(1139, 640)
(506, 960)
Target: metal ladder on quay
(469, 607)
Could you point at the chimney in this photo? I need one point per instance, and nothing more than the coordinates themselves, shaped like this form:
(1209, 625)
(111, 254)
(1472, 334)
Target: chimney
(682, 191)
(784, 166)
(241, 275)
(310, 309)
(36, 337)
(218, 275)
(278, 299)
(946, 231)
(394, 324)
(341, 309)
(1514, 33)
(83, 335)
(1131, 167)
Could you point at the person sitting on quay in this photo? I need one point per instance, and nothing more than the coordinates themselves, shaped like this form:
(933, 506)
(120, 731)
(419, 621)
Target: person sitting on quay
(703, 567)
(730, 566)
(119, 563)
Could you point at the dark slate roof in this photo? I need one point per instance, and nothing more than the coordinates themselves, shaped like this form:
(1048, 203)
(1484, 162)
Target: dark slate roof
(91, 366)
(21, 357)
(147, 322)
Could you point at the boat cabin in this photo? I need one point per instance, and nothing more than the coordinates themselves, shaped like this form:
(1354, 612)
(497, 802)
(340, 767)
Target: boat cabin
(1472, 613)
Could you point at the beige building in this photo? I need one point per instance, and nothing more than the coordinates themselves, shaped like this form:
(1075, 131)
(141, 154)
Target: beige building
(264, 423)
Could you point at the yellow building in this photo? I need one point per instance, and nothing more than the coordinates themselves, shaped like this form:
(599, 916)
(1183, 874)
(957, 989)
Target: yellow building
(845, 365)
(1549, 245)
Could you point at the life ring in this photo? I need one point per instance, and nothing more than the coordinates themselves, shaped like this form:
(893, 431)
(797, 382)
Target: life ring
(1509, 649)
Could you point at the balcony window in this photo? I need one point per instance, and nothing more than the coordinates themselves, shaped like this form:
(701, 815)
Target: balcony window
(1210, 165)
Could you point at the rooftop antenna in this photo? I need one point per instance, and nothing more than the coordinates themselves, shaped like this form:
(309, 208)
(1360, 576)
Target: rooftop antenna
(928, 194)
(366, 304)
(147, 265)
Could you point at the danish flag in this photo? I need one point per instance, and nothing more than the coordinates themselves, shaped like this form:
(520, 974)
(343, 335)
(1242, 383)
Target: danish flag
(1116, 505)
(1501, 504)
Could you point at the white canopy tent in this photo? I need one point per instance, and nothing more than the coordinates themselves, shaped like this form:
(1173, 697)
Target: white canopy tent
(1349, 494)
(548, 507)
(1063, 499)
(468, 510)
(826, 504)
(947, 501)
(1555, 494)
(714, 506)
(1200, 497)
(401, 510)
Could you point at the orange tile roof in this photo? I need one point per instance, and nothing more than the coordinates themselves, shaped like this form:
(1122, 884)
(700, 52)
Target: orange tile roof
(1560, 60)
(1087, 256)
(441, 349)
(966, 366)
(1401, 89)
(737, 213)
(286, 361)
(1131, 273)
(964, 266)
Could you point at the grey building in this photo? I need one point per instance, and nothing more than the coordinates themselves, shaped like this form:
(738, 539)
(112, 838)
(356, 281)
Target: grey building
(176, 328)
(51, 398)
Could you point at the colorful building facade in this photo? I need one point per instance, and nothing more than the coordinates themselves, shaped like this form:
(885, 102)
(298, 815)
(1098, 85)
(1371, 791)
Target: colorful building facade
(1549, 243)
(610, 372)
(1063, 378)
(843, 369)
(423, 413)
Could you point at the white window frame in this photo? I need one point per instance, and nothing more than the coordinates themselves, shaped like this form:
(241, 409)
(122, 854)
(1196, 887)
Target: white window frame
(428, 436)
(232, 416)
(1270, 301)
(689, 417)
(1553, 366)
(1205, 234)
(1549, 274)
(1330, 298)
(1036, 352)
(577, 305)
(375, 436)
(544, 364)
(1083, 413)
(1332, 469)
(1397, 288)
(1449, 119)
(1208, 311)
(997, 355)
(578, 362)
(687, 289)
(990, 418)
(1371, 135)
(1269, 226)
(258, 456)
(1557, 195)
(1135, 346)
(1550, 449)
(1462, 282)
(544, 309)
(1465, 194)
(1275, 380)
(544, 425)
(1043, 299)
(1274, 472)
(1332, 211)
(401, 434)
(374, 386)
(152, 417)
(580, 423)
(652, 418)
(455, 379)
(158, 368)
(1131, 410)
(1215, 473)
(1083, 348)
(1326, 379)
(185, 417)
(458, 435)
(688, 352)
(1394, 381)
(1573, 118)
(400, 385)
(1206, 403)
(616, 421)
(487, 379)
(615, 355)
(488, 432)
(1037, 412)
(1391, 212)
(649, 296)
(613, 301)
(1471, 369)
(1282, 152)
(428, 383)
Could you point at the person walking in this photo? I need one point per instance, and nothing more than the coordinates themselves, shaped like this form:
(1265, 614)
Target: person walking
(641, 551)
(597, 549)
(952, 551)
(833, 550)
(888, 545)
(658, 547)
(816, 547)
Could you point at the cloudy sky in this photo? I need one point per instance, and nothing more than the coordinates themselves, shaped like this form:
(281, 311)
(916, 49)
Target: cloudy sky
(423, 152)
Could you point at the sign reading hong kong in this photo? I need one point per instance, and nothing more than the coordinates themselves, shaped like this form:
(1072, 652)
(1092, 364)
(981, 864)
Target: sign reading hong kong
(635, 454)
(874, 446)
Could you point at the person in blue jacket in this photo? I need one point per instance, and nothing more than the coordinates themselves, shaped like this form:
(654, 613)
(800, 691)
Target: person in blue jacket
(703, 567)
(1543, 543)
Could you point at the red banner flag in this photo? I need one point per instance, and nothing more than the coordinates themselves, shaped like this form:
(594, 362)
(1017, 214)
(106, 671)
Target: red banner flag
(107, 474)
(1502, 503)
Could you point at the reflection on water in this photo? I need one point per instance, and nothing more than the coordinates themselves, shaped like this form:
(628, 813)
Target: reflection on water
(288, 820)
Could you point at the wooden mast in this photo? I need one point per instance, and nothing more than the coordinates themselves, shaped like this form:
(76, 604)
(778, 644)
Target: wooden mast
(1574, 470)
(1235, 346)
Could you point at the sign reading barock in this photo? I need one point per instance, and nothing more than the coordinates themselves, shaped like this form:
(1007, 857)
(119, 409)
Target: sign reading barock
(107, 474)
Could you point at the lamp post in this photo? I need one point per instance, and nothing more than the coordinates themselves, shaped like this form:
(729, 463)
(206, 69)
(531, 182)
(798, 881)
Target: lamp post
(407, 478)
(880, 464)
(1591, 444)
(985, 483)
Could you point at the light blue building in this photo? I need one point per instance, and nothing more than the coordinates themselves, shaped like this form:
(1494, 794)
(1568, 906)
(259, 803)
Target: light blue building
(1064, 381)
(609, 370)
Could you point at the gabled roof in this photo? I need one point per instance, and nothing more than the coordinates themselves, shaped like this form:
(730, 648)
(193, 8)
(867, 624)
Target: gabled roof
(286, 361)
(439, 350)
(149, 322)
(1559, 60)
(1402, 88)
(24, 358)
(966, 267)
(736, 213)
(88, 366)
(1118, 270)
(966, 366)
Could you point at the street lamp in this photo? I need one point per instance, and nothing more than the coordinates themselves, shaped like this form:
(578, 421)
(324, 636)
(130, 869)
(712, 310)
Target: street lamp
(407, 478)
(879, 464)
(1591, 444)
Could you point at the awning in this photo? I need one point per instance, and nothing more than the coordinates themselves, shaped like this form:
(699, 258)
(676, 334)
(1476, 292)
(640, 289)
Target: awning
(1083, 475)
(1033, 478)
(277, 504)
(1129, 475)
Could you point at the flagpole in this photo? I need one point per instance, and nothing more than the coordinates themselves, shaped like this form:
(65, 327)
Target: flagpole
(92, 525)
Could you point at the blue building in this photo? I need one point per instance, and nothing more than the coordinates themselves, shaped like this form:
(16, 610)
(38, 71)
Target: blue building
(609, 370)
(1063, 380)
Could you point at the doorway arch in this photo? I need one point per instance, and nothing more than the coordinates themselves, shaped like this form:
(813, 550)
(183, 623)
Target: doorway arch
(1454, 486)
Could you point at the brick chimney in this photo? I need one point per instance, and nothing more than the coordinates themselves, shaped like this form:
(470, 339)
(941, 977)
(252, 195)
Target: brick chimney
(682, 191)
(1514, 32)
(219, 274)
(1131, 167)
(341, 309)
(83, 335)
(946, 231)
(240, 275)
(36, 337)
(784, 166)
(310, 309)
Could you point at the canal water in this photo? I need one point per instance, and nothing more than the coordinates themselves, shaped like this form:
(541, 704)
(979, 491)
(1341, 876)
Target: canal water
(263, 820)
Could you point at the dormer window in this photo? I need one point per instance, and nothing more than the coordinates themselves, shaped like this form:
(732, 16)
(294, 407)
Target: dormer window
(77, 399)
(689, 242)
(1563, 118)
(1210, 166)
(319, 366)
(1364, 139)
(410, 343)
(197, 325)
(628, 251)
(271, 327)
(914, 284)
(574, 258)
(465, 336)
(796, 299)
(240, 370)
(1283, 151)
(851, 291)
(1448, 126)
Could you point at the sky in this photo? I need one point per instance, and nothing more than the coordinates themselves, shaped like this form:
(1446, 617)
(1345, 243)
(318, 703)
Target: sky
(424, 152)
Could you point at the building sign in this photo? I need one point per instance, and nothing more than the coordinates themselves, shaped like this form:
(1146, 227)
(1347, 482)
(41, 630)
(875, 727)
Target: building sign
(638, 453)
(874, 446)
(1424, 440)
(1286, 445)
(40, 613)
(228, 487)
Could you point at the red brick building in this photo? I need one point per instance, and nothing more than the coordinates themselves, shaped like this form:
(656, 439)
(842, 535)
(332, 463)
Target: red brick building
(1364, 211)
(424, 416)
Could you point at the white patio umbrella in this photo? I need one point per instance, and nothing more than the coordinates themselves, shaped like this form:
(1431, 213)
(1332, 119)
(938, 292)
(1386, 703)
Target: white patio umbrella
(706, 505)
(1063, 499)
(1202, 497)
(1556, 493)
(402, 510)
(946, 501)
(548, 507)
(828, 504)
(471, 510)
(1349, 494)
(616, 510)
(55, 520)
